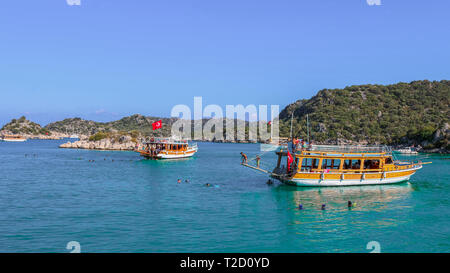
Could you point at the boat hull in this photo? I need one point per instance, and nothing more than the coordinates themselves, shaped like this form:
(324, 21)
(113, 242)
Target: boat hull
(170, 155)
(14, 140)
(340, 183)
(175, 156)
(336, 180)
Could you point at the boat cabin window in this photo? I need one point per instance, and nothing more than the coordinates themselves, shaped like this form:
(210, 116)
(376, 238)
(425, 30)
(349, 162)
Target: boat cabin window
(388, 160)
(331, 163)
(372, 164)
(354, 164)
(310, 163)
(347, 164)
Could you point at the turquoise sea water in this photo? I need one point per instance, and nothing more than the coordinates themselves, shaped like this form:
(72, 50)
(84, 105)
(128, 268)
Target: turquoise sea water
(121, 203)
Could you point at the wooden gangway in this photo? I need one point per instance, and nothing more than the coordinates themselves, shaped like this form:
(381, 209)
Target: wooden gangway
(256, 168)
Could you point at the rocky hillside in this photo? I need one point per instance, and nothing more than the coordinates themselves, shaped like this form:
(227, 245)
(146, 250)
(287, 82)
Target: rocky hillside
(132, 124)
(415, 113)
(405, 113)
(22, 126)
(75, 126)
(136, 122)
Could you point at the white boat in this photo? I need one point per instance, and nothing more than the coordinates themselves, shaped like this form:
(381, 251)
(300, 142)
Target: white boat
(74, 136)
(408, 151)
(13, 138)
(167, 148)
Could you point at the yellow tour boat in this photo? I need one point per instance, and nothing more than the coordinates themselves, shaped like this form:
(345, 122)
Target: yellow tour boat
(320, 165)
(167, 148)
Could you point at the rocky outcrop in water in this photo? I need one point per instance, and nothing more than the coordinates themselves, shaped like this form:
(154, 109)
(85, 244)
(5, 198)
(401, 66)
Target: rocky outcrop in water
(122, 144)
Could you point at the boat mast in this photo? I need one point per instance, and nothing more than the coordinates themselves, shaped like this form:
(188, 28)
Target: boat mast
(307, 126)
(292, 118)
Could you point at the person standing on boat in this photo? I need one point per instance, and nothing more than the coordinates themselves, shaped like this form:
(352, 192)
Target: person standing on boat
(295, 142)
(258, 159)
(244, 158)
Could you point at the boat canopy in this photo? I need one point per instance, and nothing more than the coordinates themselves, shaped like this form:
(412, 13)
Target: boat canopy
(381, 149)
(161, 140)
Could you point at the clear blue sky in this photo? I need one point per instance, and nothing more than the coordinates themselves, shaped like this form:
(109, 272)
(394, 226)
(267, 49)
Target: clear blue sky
(108, 58)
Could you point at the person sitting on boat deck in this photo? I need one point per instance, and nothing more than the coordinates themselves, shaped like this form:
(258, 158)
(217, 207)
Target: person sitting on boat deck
(305, 145)
(376, 164)
(258, 159)
(299, 144)
(244, 158)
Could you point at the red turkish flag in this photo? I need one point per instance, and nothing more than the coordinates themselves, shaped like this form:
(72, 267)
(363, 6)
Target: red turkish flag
(290, 159)
(157, 125)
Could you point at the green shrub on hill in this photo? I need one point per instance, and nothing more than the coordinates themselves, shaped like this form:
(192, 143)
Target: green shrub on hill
(98, 136)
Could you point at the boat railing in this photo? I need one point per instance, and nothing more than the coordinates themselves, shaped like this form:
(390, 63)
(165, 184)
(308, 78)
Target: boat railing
(351, 148)
(160, 140)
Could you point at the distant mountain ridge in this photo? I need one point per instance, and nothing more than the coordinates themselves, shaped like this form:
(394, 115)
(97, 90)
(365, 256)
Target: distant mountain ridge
(415, 113)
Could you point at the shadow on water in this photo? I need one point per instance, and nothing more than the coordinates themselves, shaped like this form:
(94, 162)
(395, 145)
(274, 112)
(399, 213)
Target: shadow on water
(365, 198)
(164, 161)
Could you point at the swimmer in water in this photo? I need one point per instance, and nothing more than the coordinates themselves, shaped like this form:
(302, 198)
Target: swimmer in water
(179, 181)
(207, 184)
(187, 181)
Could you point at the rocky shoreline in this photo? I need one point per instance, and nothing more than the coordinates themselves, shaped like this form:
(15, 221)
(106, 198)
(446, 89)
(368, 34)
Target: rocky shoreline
(52, 136)
(123, 144)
